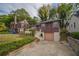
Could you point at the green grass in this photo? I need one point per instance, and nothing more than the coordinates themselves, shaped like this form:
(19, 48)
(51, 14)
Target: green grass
(75, 35)
(5, 38)
(4, 32)
(11, 45)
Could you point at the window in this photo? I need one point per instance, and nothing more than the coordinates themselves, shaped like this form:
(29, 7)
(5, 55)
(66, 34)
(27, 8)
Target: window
(74, 25)
(71, 25)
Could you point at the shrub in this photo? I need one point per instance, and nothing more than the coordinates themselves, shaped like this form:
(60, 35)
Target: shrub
(7, 47)
(75, 35)
(2, 26)
(4, 32)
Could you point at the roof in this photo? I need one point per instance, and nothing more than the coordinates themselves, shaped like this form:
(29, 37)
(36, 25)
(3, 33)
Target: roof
(24, 21)
(48, 21)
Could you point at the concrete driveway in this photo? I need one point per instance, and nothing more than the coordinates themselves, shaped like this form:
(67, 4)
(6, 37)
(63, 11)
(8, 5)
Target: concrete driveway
(44, 48)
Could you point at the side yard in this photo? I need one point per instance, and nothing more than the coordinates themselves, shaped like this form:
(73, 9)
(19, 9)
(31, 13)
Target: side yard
(73, 40)
(10, 42)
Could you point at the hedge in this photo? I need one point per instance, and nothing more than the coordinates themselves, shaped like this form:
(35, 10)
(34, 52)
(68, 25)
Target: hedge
(75, 35)
(8, 47)
(5, 32)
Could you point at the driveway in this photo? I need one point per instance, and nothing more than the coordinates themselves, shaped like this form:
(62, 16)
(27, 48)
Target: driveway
(44, 48)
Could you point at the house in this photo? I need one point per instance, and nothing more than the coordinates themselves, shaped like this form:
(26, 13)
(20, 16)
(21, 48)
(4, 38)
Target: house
(74, 22)
(19, 26)
(48, 30)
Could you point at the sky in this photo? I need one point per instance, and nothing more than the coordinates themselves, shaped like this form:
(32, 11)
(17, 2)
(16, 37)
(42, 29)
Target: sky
(31, 8)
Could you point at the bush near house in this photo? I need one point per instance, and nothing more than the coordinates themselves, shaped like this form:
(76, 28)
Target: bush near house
(75, 35)
(3, 29)
(5, 32)
(5, 48)
(2, 26)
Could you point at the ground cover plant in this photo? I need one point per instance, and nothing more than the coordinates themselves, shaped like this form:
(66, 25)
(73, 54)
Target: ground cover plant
(10, 44)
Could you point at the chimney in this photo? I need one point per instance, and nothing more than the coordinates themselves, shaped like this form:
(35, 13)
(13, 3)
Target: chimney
(15, 20)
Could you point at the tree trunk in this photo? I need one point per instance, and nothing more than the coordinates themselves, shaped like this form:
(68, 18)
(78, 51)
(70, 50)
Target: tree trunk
(63, 31)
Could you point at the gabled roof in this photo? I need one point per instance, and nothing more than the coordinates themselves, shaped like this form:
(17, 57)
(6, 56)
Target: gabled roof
(24, 21)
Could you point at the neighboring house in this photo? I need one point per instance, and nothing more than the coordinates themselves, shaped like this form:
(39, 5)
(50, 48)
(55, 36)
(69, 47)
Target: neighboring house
(48, 30)
(74, 22)
(19, 27)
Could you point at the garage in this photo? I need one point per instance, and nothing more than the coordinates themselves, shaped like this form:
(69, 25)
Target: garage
(50, 30)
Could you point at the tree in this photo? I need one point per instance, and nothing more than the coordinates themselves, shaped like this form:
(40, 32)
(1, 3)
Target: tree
(52, 13)
(43, 13)
(21, 14)
(6, 19)
(47, 12)
(31, 21)
(64, 11)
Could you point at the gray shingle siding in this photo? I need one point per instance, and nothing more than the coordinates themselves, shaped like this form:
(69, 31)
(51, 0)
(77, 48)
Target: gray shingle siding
(73, 24)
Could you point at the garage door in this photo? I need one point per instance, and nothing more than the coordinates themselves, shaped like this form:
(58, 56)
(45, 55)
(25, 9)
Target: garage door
(49, 36)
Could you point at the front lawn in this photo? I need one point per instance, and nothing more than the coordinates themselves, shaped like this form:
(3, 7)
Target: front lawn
(4, 32)
(11, 42)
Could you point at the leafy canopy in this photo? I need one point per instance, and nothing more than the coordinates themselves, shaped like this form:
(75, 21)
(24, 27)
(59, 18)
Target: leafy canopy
(43, 13)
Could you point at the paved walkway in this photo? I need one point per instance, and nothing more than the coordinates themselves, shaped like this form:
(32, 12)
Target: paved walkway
(44, 48)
